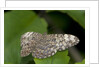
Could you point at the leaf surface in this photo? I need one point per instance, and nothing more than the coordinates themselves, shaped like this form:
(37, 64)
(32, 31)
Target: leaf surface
(16, 23)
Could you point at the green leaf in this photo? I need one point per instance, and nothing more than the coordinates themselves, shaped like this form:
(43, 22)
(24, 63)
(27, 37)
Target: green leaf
(77, 15)
(16, 23)
(59, 58)
(83, 62)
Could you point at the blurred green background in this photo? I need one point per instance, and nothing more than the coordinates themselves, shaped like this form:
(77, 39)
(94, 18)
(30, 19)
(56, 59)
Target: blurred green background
(18, 22)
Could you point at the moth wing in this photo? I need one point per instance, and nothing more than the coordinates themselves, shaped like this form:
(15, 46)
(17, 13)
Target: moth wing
(45, 48)
(66, 40)
(25, 52)
(27, 49)
(43, 52)
(26, 44)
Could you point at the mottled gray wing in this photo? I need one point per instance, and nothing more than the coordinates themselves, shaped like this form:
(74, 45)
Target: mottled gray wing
(46, 47)
(43, 46)
(28, 42)
(25, 46)
(66, 40)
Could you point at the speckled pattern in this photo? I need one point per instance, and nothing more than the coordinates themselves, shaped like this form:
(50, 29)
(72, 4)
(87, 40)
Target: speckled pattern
(43, 45)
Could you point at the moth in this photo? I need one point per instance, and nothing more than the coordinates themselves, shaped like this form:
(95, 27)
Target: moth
(45, 45)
